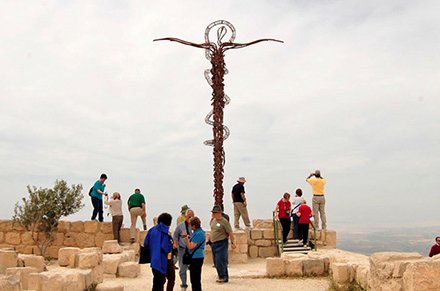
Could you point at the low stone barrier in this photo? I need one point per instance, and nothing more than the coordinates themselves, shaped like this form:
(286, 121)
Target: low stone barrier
(79, 234)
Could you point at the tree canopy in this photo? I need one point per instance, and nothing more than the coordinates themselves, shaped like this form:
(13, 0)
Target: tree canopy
(43, 209)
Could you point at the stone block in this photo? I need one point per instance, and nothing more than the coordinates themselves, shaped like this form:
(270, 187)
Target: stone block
(256, 234)
(237, 258)
(9, 283)
(23, 249)
(242, 248)
(70, 239)
(110, 286)
(275, 267)
(294, 267)
(51, 281)
(313, 267)
(268, 234)
(12, 238)
(240, 237)
(125, 235)
(263, 243)
(263, 223)
(253, 252)
(34, 261)
(34, 281)
(341, 273)
(66, 256)
(52, 252)
(387, 268)
(59, 239)
(97, 274)
(91, 226)
(106, 227)
(77, 226)
(111, 247)
(92, 275)
(88, 260)
(2, 237)
(129, 255)
(128, 269)
(85, 240)
(423, 275)
(26, 238)
(361, 277)
(8, 259)
(21, 274)
(62, 279)
(100, 238)
(5, 225)
(110, 263)
(265, 252)
(64, 226)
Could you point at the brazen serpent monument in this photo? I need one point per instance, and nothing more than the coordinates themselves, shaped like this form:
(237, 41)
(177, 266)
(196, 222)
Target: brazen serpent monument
(214, 52)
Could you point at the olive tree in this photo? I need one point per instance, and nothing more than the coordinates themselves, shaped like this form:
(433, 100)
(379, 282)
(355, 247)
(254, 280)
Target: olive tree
(41, 212)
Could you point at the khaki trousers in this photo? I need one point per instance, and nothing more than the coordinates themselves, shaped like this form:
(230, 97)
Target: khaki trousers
(318, 205)
(134, 213)
(240, 210)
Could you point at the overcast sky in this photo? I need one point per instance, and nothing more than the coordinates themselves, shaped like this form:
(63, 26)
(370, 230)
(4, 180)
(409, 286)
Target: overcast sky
(353, 91)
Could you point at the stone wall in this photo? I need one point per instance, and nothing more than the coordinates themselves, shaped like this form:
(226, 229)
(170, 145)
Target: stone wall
(385, 271)
(81, 234)
(258, 242)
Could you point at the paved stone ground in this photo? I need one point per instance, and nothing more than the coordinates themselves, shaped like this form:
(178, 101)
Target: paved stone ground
(243, 277)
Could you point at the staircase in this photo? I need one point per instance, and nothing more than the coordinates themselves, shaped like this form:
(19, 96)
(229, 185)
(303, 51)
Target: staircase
(292, 245)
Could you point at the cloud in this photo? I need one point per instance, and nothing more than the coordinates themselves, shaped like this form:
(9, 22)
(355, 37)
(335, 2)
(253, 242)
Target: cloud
(352, 91)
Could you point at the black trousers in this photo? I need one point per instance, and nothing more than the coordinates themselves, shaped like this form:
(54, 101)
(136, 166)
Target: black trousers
(171, 275)
(158, 280)
(195, 274)
(304, 232)
(285, 223)
(97, 209)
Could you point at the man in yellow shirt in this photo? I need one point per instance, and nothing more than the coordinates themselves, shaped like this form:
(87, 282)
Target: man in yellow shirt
(318, 202)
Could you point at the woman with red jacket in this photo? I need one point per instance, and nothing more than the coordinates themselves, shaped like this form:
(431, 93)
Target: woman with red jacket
(283, 209)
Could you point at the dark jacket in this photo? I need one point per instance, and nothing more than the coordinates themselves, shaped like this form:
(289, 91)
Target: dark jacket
(160, 245)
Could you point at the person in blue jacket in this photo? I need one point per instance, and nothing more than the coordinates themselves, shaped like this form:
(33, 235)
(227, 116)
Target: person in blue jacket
(160, 243)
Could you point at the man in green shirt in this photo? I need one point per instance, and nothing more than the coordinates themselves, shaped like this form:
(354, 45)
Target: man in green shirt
(136, 206)
(221, 231)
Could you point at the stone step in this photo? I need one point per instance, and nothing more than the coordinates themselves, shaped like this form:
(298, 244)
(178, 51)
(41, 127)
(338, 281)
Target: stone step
(303, 250)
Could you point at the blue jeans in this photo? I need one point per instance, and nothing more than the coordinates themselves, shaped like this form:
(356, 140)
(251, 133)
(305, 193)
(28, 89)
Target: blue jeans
(97, 209)
(295, 226)
(220, 252)
(182, 269)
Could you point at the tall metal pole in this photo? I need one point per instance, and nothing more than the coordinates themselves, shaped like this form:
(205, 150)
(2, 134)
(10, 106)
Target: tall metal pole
(215, 76)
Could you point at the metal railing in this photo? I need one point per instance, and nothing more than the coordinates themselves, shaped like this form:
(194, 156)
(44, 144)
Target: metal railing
(276, 227)
(278, 241)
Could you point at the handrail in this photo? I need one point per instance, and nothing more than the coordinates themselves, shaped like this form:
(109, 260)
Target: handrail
(275, 234)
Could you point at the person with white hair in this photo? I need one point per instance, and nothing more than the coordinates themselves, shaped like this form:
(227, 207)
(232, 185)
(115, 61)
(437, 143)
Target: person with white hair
(116, 212)
(179, 238)
(304, 213)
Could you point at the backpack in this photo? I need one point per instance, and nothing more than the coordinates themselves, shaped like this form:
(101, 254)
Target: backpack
(90, 191)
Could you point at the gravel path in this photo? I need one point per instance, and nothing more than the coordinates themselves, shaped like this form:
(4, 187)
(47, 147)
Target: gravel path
(243, 277)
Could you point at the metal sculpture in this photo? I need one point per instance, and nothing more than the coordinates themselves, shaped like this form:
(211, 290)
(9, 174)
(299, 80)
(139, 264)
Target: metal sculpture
(214, 52)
